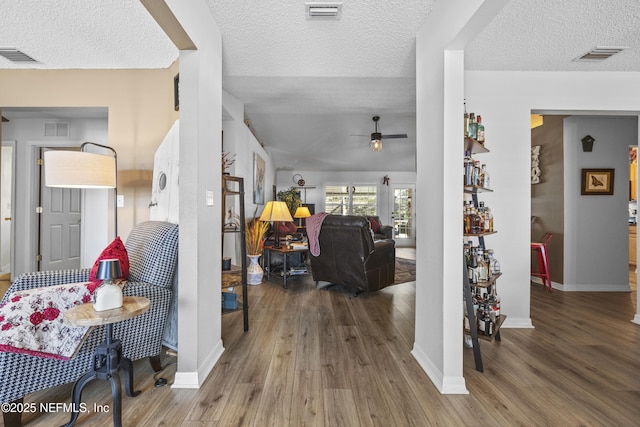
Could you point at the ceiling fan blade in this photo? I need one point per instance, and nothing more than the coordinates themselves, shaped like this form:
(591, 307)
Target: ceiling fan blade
(399, 135)
(4, 119)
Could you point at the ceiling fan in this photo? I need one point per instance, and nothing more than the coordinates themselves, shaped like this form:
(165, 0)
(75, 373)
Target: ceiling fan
(376, 137)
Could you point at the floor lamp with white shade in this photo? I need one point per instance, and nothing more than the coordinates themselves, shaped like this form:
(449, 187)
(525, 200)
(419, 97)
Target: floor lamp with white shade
(83, 169)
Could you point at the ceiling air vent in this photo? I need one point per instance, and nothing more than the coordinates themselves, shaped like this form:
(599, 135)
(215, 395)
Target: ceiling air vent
(323, 10)
(599, 53)
(15, 55)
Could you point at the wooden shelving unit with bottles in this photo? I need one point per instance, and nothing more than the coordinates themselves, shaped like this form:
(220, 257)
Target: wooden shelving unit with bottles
(471, 146)
(233, 186)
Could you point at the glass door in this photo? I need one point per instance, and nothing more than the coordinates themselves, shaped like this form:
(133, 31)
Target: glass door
(402, 214)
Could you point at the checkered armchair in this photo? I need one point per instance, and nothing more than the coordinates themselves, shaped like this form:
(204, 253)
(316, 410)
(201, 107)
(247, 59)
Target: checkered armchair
(152, 248)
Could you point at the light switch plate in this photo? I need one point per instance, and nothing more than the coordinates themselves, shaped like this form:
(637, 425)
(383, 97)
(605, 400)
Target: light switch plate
(209, 198)
(120, 201)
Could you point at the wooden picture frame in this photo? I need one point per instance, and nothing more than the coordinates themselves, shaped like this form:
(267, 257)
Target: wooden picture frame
(597, 182)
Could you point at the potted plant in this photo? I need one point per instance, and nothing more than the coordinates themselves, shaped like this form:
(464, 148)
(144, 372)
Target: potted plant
(292, 198)
(227, 160)
(254, 237)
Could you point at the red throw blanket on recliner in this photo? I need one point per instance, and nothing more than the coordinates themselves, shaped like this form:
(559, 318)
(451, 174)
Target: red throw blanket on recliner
(314, 223)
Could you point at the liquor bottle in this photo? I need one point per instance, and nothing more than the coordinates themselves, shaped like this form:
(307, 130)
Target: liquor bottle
(495, 264)
(487, 260)
(468, 168)
(488, 324)
(482, 325)
(466, 218)
(480, 131)
(488, 219)
(485, 178)
(494, 307)
(489, 215)
(473, 126)
(473, 277)
(466, 120)
(481, 212)
(482, 268)
(476, 173)
(476, 224)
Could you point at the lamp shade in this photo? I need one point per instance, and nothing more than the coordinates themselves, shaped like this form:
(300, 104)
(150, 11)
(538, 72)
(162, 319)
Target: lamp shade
(79, 169)
(302, 212)
(276, 211)
(109, 269)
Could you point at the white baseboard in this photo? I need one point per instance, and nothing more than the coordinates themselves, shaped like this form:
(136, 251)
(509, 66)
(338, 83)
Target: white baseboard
(445, 385)
(636, 319)
(599, 287)
(210, 361)
(186, 380)
(195, 379)
(517, 323)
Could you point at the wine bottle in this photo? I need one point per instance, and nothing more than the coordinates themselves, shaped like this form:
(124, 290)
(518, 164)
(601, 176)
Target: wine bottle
(466, 120)
(480, 131)
(473, 126)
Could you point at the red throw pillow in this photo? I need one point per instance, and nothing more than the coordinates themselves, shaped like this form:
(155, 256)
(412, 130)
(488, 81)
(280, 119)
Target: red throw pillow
(115, 250)
(287, 228)
(375, 225)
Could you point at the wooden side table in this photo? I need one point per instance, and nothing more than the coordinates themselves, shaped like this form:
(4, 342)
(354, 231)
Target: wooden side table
(108, 360)
(285, 253)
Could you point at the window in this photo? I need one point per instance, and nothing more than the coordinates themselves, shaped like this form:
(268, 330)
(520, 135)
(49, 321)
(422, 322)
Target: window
(351, 199)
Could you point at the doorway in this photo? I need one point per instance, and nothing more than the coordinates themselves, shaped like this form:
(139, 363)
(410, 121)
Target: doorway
(6, 206)
(58, 225)
(32, 128)
(402, 202)
(598, 225)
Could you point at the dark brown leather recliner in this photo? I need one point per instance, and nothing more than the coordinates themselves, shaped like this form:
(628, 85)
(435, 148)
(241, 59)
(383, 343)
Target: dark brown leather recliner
(349, 255)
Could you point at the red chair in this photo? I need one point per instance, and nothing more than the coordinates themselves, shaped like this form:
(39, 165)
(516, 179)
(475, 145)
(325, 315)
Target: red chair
(543, 260)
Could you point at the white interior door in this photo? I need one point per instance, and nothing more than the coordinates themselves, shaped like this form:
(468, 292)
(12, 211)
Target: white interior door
(6, 215)
(402, 202)
(59, 227)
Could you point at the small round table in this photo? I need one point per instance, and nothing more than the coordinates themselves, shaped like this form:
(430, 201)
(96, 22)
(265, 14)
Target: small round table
(107, 360)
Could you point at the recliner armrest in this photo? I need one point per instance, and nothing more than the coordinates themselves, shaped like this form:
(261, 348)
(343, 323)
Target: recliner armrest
(383, 249)
(386, 230)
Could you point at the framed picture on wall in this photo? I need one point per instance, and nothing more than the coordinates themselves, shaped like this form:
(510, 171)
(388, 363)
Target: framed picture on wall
(258, 179)
(596, 182)
(176, 92)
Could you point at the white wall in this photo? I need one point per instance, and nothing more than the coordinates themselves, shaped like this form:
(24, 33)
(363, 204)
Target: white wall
(598, 225)
(320, 180)
(29, 136)
(239, 140)
(440, 93)
(199, 306)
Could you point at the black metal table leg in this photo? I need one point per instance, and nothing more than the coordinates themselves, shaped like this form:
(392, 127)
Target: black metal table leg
(107, 363)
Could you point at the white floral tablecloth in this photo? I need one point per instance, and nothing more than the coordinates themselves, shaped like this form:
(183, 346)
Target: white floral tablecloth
(31, 322)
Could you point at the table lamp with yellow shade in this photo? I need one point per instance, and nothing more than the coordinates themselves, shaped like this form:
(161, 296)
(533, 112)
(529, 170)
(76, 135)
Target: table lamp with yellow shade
(276, 211)
(302, 212)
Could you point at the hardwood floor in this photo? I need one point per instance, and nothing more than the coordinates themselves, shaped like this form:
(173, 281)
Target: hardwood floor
(324, 358)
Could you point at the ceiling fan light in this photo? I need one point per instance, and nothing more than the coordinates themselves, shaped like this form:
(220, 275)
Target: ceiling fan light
(376, 145)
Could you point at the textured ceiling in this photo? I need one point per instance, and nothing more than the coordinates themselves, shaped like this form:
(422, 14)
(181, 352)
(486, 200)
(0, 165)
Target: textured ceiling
(83, 34)
(308, 86)
(546, 35)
